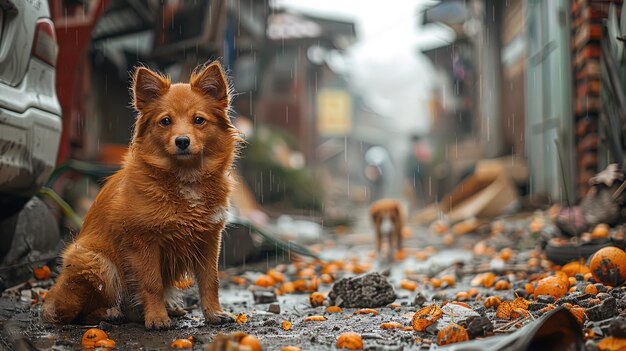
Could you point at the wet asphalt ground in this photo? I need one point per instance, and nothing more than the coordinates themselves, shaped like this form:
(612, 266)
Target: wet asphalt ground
(22, 328)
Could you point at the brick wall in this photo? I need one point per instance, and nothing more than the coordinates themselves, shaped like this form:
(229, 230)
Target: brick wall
(587, 22)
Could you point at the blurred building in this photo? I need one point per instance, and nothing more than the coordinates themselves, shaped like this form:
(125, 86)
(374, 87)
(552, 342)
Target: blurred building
(530, 74)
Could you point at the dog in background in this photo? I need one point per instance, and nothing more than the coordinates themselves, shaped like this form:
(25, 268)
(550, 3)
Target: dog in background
(160, 218)
(388, 219)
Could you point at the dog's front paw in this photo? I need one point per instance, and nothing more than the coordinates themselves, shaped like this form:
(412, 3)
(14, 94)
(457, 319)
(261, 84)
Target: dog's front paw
(158, 322)
(218, 318)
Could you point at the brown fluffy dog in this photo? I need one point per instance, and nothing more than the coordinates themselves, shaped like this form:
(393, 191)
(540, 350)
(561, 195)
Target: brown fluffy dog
(161, 216)
(388, 219)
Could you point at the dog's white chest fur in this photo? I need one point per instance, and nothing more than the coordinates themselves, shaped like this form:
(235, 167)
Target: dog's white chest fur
(190, 192)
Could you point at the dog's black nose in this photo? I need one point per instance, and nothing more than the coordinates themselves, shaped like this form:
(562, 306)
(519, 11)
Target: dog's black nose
(182, 142)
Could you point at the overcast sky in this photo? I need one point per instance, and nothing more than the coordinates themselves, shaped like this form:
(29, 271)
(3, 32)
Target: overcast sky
(386, 65)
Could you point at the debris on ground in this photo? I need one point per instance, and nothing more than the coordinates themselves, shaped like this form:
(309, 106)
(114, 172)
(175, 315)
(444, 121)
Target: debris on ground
(368, 290)
(479, 292)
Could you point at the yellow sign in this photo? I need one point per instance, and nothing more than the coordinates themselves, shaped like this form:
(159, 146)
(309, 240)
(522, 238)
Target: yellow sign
(334, 112)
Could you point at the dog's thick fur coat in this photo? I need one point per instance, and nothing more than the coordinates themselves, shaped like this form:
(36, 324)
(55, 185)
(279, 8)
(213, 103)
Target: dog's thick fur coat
(160, 217)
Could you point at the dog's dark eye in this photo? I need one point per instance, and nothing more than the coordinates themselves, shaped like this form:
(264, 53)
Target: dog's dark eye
(166, 121)
(198, 120)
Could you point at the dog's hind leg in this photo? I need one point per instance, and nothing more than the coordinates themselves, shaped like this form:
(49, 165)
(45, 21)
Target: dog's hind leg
(87, 283)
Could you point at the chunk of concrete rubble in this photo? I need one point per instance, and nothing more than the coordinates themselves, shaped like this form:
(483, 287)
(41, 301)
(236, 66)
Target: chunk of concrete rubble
(419, 299)
(368, 290)
(617, 328)
(274, 308)
(478, 326)
(605, 310)
(457, 312)
(264, 296)
(545, 299)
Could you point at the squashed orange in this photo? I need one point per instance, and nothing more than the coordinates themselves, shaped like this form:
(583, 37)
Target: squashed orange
(452, 333)
(426, 316)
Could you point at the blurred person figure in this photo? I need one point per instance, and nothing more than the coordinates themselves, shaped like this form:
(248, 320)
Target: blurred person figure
(417, 163)
(376, 171)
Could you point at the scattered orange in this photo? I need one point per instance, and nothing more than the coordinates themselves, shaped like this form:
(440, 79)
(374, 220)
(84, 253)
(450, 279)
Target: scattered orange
(333, 309)
(452, 333)
(290, 348)
(536, 225)
(181, 344)
(276, 275)
(326, 278)
(314, 319)
(42, 273)
(265, 281)
(92, 336)
(608, 266)
(502, 285)
(408, 284)
(286, 325)
(241, 319)
(573, 268)
(287, 288)
(449, 280)
(391, 325)
(612, 344)
(316, 299)
(553, 286)
(506, 254)
(252, 342)
(591, 289)
(492, 301)
(600, 231)
(462, 296)
(366, 311)
(426, 316)
(484, 279)
(521, 302)
(350, 341)
(509, 310)
(435, 282)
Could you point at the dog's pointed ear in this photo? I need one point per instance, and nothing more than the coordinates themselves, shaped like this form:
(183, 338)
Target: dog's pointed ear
(210, 81)
(147, 87)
